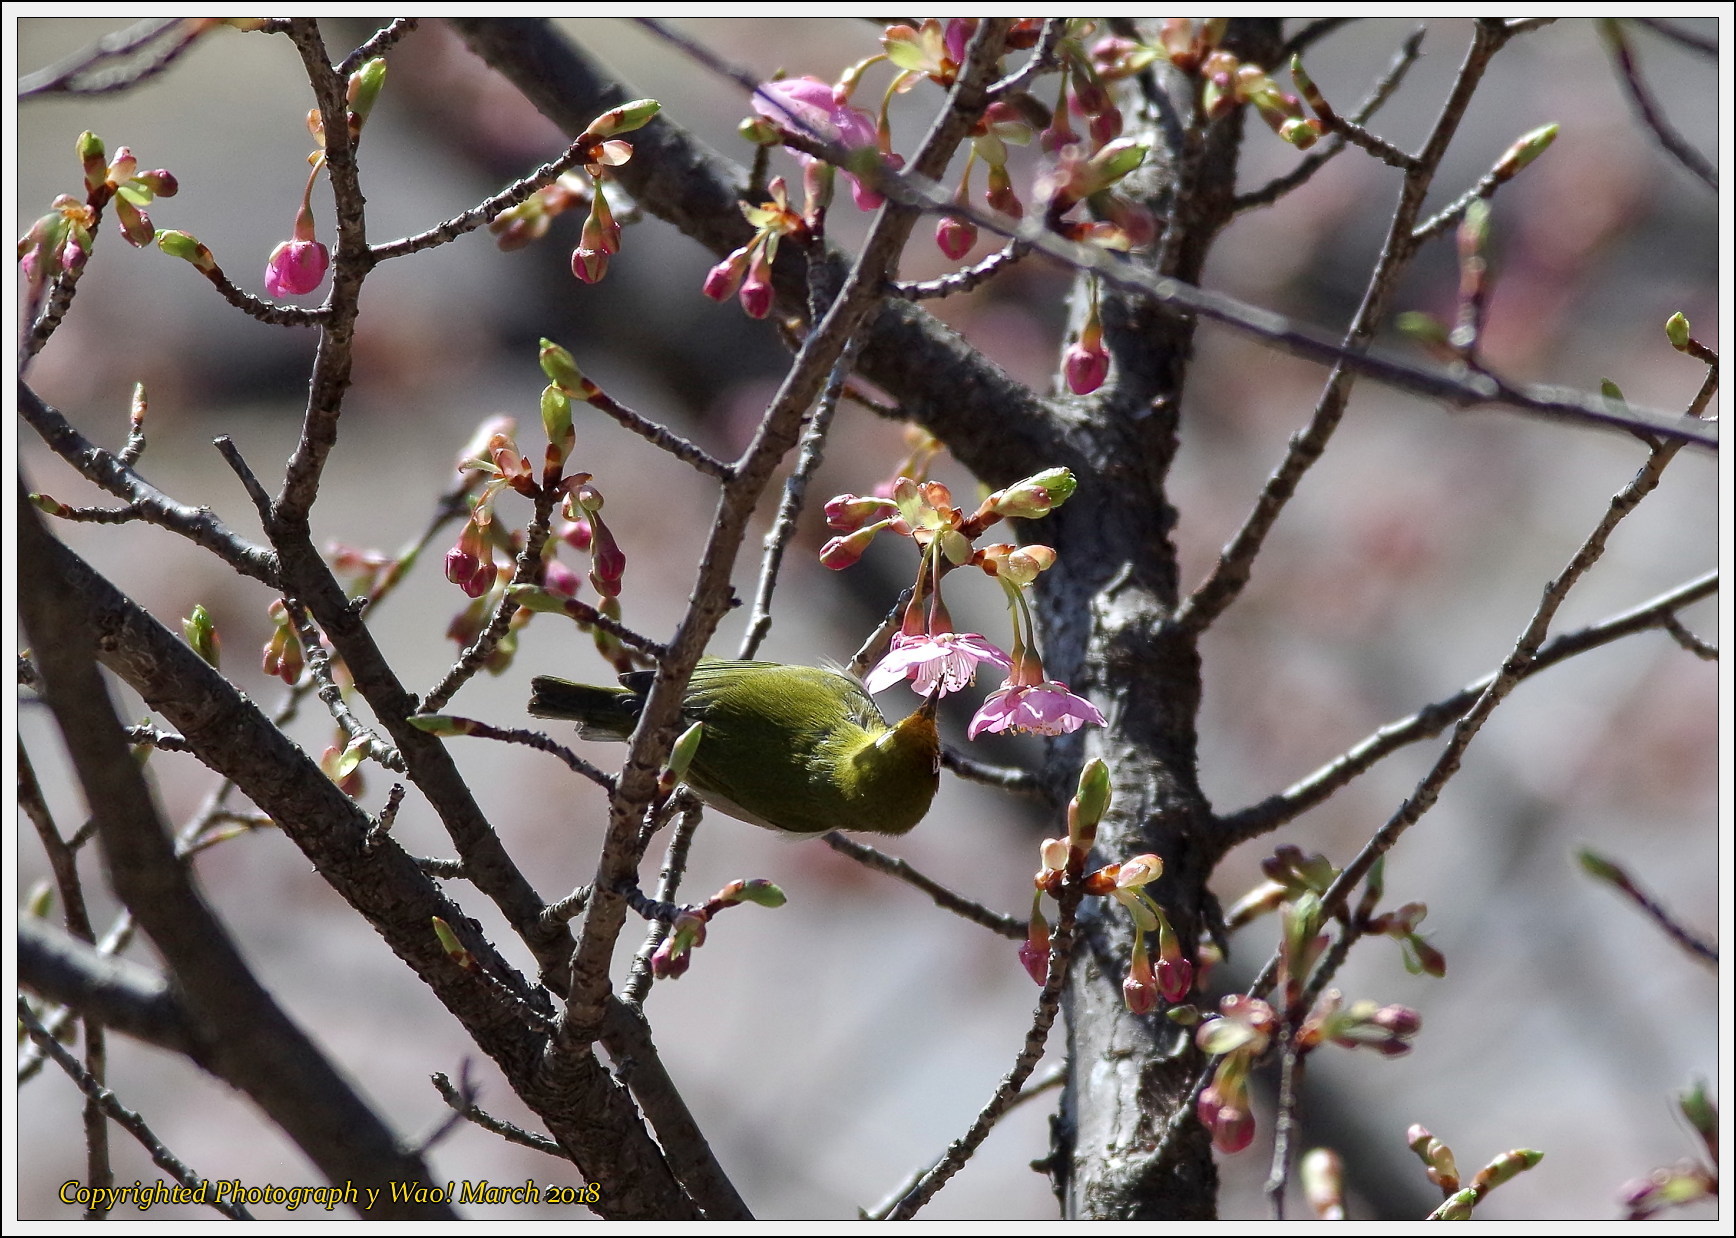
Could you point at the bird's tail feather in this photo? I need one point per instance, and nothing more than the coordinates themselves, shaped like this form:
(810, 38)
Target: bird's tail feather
(602, 713)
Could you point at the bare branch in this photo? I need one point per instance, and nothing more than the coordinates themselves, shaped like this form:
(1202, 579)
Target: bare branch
(1048, 1006)
(1648, 108)
(117, 61)
(467, 1108)
(379, 43)
(810, 452)
(112, 1108)
(1010, 927)
(1431, 720)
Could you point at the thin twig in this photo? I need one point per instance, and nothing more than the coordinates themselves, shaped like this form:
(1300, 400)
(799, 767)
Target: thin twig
(1048, 1006)
(319, 665)
(1687, 640)
(1310, 34)
(489, 207)
(661, 436)
(1687, 38)
(1629, 71)
(1284, 1125)
(1007, 778)
(1431, 720)
(198, 524)
(379, 43)
(542, 743)
(809, 453)
(1042, 57)
(960, 281)
(1224, 583)
(131, 1122)
(1615, 876)
(526, 571)
(468, 1109)
(1010, 927)
(668, 885)
(99, 68)
(91, 515)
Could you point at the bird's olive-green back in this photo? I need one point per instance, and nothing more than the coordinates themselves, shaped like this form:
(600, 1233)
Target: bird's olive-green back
(797, 748)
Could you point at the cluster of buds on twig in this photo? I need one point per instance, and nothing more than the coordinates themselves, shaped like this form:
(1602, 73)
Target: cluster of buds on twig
(601, 147)
(61, 239)
(298, 265)
(1687, 1181)
(1063, 867)
(1238, 1035)
(1443, 1171)
(1290, 874)
(688, 924)
(926, 651)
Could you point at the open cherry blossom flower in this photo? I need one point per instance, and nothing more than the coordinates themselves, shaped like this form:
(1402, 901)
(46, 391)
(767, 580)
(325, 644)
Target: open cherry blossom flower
(1045, 708)
(946, 658)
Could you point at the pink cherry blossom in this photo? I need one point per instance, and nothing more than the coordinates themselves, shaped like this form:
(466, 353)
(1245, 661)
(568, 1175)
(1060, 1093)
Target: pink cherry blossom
(808, 103)
(947, 658)
(1046, 708)
(296, 267)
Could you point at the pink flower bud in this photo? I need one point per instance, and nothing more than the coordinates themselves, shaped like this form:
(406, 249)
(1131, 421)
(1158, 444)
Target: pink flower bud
(608, 563)
(296, 267)
(955, 236)
(590, 265)
(722, 281)
(756, 289)
(1086, 368)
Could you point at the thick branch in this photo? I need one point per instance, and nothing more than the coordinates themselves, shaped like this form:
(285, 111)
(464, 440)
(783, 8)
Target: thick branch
(254, 1044)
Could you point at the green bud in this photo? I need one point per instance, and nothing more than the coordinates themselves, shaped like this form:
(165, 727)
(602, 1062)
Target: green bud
(1698, 1108)
(534, 598)
(686, 745)
(1183, 1016)
(1456, 1207)
(186, 247)
(40, 901)
(94, 157)
(563, 371)
(1116, 160)
(201, 634)
(1525, 150)
(348, 759)
(1301, 925)
(1676, 328)
(54, 507)
(1089, 805)
(624, 119)
(557, 417)
(1611, 392)
(1604, 870)
(1036, 495)
(442, 724)
(760, 892)
(1505, 1168)
(759, 131)
(1422, 327)
(1299, 133)
(364, 89)
(1474, 228)
(451, 945)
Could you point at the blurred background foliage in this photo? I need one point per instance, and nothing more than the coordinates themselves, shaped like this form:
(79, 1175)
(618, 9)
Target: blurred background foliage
(832, 1046)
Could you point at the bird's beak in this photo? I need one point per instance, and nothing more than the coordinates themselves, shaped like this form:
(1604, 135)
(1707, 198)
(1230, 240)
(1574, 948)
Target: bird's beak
(931, 705)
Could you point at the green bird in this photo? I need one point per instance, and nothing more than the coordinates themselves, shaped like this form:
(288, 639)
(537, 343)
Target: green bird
(796, 749)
